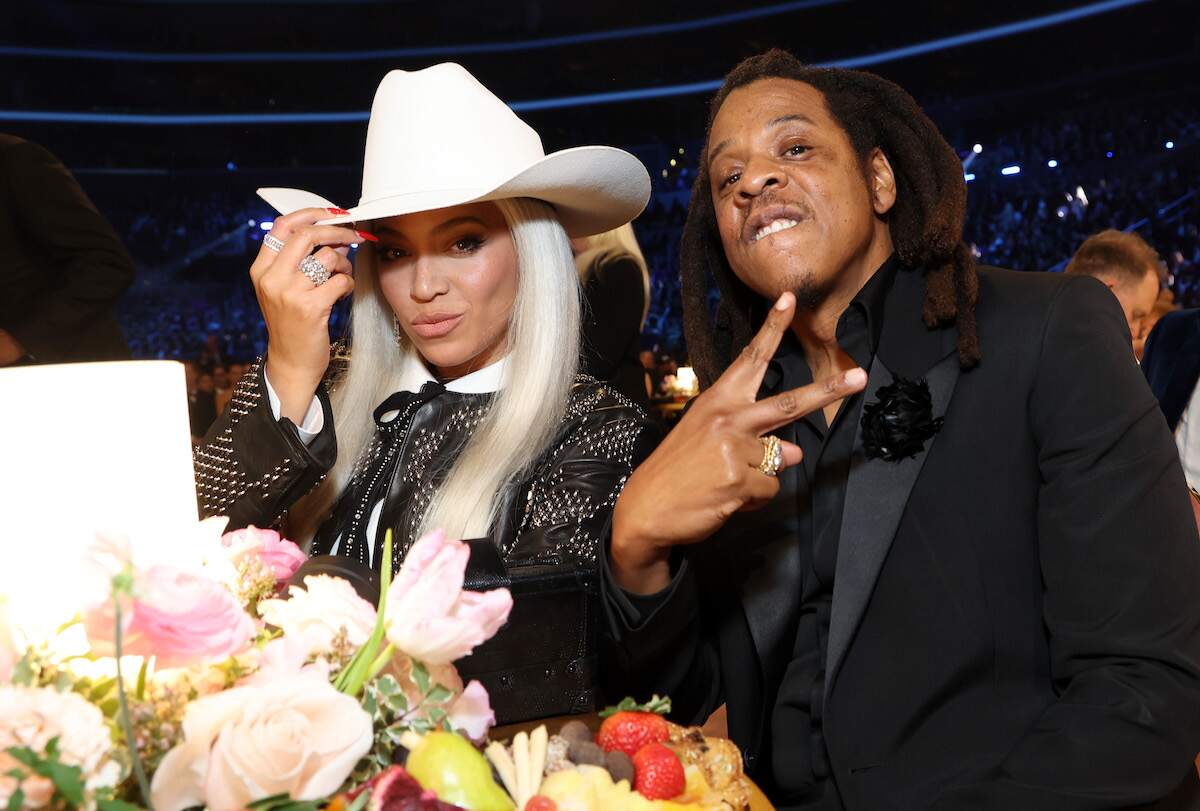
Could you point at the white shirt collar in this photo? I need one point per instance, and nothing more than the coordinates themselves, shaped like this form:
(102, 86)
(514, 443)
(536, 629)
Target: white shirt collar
(488, 379)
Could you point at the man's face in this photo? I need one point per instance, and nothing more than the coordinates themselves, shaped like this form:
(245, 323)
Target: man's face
(1137, 301)
(793, 205)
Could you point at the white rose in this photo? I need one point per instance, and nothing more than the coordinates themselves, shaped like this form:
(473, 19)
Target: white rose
(317, 612)
(32, 716)
(299, 737)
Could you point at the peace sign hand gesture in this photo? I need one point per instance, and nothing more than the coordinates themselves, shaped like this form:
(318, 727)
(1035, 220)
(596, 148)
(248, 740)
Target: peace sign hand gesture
(710, 465)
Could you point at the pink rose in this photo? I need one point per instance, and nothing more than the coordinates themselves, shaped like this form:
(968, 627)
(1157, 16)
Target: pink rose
(281, 555)
(299, 737)
(429, 615)
(177, 616)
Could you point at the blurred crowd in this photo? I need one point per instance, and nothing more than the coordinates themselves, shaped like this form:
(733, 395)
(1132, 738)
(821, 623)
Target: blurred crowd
(1117, 166)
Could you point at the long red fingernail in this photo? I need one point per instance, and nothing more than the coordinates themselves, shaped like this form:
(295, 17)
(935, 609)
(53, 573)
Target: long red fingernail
(337, 211)
(367, 237)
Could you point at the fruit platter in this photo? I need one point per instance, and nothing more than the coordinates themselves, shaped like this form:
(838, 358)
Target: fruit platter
(223, 677)
(636, 760)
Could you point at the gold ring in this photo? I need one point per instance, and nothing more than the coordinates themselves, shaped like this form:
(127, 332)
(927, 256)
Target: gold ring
(772, 459)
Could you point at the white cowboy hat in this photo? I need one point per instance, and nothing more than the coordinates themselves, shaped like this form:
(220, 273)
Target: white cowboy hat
(439, 138)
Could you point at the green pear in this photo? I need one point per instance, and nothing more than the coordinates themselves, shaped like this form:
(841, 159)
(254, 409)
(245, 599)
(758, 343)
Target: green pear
(454, 770)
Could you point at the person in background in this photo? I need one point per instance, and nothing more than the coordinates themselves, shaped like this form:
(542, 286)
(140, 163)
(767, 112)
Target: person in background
(222, 387)
(64, 267)
(210, 354)
(1172, 367)
(616, 294)
(1128, 267)
(202, 405)
(1165, 304)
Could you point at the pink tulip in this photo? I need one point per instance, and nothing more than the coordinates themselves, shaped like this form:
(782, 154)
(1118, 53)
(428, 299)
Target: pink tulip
(471, 713)
(283, 556)
(429, 615)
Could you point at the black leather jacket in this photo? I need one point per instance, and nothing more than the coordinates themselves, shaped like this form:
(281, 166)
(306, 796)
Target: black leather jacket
(253, 467)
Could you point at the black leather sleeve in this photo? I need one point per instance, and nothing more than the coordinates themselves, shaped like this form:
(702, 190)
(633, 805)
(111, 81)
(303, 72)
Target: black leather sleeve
(253, 467)
(566, 508)
(657, 644)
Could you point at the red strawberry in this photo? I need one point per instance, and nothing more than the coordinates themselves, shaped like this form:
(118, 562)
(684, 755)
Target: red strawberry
(629, 726)
(659, 772)
(541, 804)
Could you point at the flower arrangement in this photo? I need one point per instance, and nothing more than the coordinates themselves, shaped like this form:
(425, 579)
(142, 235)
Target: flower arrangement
(214, 683)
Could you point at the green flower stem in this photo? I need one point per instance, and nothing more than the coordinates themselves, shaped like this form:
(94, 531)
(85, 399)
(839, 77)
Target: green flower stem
(381, 661)
(351, 680)
(126, 723)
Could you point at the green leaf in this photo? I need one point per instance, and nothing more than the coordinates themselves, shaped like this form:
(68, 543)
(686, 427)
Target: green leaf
(16, 800)
(360, 801)
(25, 674)
(67, 779)
(421, 677)
(24, 755)
(116, 805)
(439, 694)
(141, 679)
(657, 704)
(101, 689)
(282, 802)
(388, 686)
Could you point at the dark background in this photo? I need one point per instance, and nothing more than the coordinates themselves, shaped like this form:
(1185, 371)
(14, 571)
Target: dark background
(1122, 81)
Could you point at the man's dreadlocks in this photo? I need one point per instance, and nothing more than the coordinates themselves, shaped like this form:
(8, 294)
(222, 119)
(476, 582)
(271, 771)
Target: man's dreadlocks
(926, 221)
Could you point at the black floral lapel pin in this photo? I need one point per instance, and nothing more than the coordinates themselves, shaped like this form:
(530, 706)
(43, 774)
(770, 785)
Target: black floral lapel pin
(899, 423)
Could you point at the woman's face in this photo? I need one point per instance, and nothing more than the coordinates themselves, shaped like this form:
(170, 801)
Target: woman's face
(450, 276)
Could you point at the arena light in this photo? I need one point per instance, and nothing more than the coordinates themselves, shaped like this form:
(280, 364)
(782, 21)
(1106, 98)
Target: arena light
(977, 148)
(267, 225)
(1011, 170)
(1169, 144)
(904, 52)
(251, 223)
(1108, 154)
(969, 176)
(612, 97)
(1052, 163)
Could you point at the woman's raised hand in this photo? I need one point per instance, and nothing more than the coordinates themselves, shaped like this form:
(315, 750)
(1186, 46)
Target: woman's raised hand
(708, 467)
(295, 308)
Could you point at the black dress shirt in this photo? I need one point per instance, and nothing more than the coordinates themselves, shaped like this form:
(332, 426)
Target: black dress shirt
(821, 492)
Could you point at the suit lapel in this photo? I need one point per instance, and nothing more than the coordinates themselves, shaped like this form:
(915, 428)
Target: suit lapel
(877, 490)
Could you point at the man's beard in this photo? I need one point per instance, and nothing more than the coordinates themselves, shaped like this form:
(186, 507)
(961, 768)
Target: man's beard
(810, 293)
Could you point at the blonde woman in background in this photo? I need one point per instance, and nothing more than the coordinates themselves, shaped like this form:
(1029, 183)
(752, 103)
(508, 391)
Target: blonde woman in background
(616, 293)
(459, 405)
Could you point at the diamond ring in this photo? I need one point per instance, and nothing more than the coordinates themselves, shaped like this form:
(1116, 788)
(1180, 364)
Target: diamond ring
(317, 273)
(772, 459)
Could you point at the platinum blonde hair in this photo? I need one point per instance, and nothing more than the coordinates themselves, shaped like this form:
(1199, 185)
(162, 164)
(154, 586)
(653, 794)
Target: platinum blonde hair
(609, 245)
(523, 417)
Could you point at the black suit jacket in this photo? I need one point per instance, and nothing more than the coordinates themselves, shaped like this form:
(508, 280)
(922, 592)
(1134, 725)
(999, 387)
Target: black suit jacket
(1015, 618)
(64, 267)
(1171, 362)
